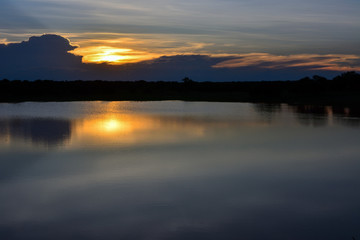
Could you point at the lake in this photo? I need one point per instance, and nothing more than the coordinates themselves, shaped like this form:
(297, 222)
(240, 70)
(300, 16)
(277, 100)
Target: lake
(179, 170)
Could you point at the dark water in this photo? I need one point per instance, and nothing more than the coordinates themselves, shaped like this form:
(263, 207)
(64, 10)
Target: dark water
(179, 170)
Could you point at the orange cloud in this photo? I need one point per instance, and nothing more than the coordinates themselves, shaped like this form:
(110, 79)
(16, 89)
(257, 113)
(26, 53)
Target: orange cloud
(330, 62)
(3, 41)
(129, 48)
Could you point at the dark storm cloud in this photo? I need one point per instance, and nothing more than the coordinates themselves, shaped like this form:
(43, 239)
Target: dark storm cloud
(38, 57)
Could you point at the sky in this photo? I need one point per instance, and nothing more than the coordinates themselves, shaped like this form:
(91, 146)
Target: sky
(216, 40)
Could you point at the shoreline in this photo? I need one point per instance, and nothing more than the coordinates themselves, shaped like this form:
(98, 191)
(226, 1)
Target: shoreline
(327, 92)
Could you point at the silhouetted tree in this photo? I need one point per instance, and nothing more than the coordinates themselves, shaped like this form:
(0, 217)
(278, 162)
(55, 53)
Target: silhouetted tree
(187, 80)
(305, 79)
(348, 81)
(319, 78)
(348, 77)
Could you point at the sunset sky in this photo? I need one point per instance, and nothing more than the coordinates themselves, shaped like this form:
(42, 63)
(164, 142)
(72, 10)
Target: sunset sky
(243, 39)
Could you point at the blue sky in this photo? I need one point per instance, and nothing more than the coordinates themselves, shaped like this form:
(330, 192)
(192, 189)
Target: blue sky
(118, 32)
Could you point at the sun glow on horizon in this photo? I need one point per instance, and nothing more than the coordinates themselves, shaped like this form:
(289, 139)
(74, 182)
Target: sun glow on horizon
(111, 55)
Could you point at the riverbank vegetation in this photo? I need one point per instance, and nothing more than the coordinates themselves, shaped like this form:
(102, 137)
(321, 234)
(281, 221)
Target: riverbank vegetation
(343, 89)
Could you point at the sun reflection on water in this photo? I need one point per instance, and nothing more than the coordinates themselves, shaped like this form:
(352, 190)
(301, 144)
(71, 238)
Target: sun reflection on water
(113, 125)
(106, 125)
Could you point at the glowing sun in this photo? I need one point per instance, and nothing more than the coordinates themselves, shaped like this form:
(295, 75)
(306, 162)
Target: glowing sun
(111, 55)
(112, 58)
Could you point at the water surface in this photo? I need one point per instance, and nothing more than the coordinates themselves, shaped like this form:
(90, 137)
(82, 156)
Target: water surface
(178, 170)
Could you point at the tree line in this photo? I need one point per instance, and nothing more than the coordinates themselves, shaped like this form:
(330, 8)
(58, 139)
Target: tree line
(344, 88)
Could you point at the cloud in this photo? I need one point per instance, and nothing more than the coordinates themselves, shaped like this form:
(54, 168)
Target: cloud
(330, 62)
(152, 44)
(38, 57)
(11, 17)
(277, 27)
(165, 68)
(3, 41)
(51, 57)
